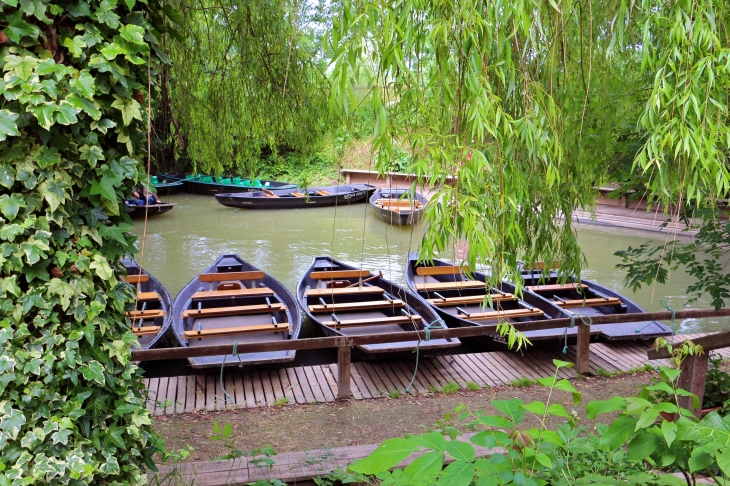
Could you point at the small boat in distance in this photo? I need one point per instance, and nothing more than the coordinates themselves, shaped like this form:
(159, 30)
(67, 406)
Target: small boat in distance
(149, 210)
(347, 301)
(153, 306)
(233, 301)
(211, 185)
(165, 186)
(590, 299)
(398, 206)
(460, 297)
(297, 198)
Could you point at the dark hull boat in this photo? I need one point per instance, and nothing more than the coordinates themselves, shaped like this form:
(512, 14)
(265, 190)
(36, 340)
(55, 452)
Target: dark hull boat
(331, 295)
(152, 315)
(461, 300)
(295, 199)
(149, 210)
(210, 185)
(591, 299)
(233, 301)
(398, 206)
(165, 186)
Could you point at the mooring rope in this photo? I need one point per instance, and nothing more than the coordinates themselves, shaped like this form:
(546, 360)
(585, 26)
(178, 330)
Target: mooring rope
(223, 365)
(584, 319)
(437, 324)
(664, 304)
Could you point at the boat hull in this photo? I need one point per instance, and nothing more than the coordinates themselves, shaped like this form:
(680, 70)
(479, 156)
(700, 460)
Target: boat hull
(339, 196)
(185, 301)
(393, 217)
(162, 338)
(198, 186)
(149, 210)
(165, 187)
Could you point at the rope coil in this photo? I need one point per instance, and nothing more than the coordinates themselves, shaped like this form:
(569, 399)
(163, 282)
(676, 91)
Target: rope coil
(234, 352)
(437, 324)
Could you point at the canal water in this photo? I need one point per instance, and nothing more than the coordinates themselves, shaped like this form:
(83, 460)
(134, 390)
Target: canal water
(184, 242)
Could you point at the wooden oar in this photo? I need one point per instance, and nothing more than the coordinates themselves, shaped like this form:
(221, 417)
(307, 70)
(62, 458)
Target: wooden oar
(380, 275)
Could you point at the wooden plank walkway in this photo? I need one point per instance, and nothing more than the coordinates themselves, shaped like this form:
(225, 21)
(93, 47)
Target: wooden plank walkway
(376, 379)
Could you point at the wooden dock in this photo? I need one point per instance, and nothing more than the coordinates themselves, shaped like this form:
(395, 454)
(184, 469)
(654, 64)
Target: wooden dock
(376, 379)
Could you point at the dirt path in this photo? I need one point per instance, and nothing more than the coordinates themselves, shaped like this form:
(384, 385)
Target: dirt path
(307, 427)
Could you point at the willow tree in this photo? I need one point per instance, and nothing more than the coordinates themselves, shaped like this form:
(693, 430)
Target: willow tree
(247, 77)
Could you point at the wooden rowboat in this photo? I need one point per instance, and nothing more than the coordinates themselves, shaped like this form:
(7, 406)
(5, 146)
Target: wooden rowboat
(398, 206)
(152, 314)
(591, 299)
(298, 198)
(165, 186)
(211, 185)
(149, 210)
(347, 301)
(459, 295)
(233, 301)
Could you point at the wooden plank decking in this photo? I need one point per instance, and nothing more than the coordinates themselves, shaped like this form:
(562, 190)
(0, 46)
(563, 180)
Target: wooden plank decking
(318, 384)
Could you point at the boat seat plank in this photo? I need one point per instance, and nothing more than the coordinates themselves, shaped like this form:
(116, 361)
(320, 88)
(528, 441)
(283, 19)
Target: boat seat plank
(339, 274)
(240, 310)
(442, 270)
(553, 287)
(148, 296)
(511, 313)
(403, 202)
(324, 193)
(356, 306)
(541, 266)
(573, 303)
(146, 314)
(297, 194)
(378, 321)
(268, 193)
(220, 277)
(343, 291)
(466, 284)
(232, 331)
(140, 278)
(220, 294)
(471, 299)
(146, 330)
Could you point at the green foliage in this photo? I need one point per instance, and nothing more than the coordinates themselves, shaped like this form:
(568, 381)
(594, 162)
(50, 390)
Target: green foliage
(450, 388)
(72, 124)
(281, 402)
(717, 385)
(471, 386)
(523, 382)
(394, 394)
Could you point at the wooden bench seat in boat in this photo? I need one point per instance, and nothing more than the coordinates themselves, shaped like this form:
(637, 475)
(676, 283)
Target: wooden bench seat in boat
(344, 291)
(397, 202)
(146, 314)
(232, 331)
(297, 194)
(554, 287)
(378, 321)
(324, 193)
(442, 270)
(469, 299)
(133, 279)
(220, 294)
(509, 314)
(239, 310)
(356, 306)
(541, 266)
(268, 193)
(220, 277)
(339, 274)
(148, 296)
(146, 330)
(436, 286)
(573, 303)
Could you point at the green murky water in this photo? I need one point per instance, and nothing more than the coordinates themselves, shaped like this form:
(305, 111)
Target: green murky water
(185, 241)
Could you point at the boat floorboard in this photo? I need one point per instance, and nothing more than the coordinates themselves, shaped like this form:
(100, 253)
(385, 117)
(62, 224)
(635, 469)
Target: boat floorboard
(318, 384)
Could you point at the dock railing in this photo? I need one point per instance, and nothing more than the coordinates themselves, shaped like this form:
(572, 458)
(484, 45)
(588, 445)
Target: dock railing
(345, 343)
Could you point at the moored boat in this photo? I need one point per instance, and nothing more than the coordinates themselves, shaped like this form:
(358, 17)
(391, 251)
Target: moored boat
(233, 301)
(152, 314)
(591, 299)
(165, 186)
(347, 301)
(211, 185)
(398, 206)
(297, 198)
(460, 297)
(149, 210)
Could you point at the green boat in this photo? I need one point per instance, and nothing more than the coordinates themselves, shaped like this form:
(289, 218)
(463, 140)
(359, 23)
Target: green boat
(210, 185)
(165, 185)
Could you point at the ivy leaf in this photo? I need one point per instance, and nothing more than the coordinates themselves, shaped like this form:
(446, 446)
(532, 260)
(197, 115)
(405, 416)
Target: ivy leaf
(105, 15)
(102, 268)
(7, 176)
(63, 290)
(47, 157)
(34, 250)
(37, 271)
(17, 27)
(54, 192)
(21, 66)
(8, 127)
(113, 50)
(35, 8)
(99, 62)
(10, 205)
(12, 421)
(88, 106)
(174, 14)
(105, 188)
(92, 36)
(83, 85)
(94, 371)
(93, 154)
(93, 216)
(81, 9)
(116, 232)
(132, 33)
(128, 107)
(129, 165)
(8, 232)
(66, 114)
(103, 125)
(74, 45)
(10, 285)
(44, 114)
(124, 409)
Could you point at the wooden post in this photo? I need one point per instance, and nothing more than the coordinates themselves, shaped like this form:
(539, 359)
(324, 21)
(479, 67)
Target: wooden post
(343, 370)
(692, 379)
(584, 349)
